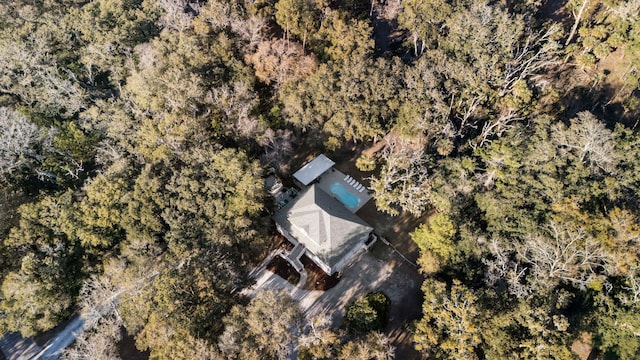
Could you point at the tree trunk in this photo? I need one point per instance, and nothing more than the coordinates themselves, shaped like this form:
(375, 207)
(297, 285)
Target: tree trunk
(304, 40)
(577, 22)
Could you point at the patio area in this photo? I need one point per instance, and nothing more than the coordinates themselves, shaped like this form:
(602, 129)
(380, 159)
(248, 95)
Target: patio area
(284, 197)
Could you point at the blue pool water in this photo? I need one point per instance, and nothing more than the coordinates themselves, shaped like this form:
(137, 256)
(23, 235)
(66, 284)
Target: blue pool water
(345, 196)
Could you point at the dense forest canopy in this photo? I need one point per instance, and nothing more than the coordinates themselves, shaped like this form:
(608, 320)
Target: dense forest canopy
(134, 133)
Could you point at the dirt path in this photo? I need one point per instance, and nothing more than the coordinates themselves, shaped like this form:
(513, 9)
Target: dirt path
(370, 151)
(54, 348)
(15, 347)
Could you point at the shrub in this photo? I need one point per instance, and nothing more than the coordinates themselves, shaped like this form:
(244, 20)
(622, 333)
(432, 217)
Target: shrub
(366, 163)
(368, 312)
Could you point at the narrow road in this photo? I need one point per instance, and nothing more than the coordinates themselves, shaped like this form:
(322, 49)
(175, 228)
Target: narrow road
(54, 348)
(14, 347)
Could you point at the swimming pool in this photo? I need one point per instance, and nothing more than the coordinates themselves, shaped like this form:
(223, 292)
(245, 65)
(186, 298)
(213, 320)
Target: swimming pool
(345, 196)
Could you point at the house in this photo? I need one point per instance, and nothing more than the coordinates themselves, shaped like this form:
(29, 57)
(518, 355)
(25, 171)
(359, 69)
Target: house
(318, 223)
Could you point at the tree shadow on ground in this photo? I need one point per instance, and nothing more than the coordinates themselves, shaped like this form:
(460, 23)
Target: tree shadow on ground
(598, 101)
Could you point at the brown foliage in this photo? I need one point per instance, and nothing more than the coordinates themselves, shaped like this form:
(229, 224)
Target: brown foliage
(278, 61)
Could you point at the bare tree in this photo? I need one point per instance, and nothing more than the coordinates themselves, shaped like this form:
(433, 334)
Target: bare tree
(108, 153)
(388, 10)
(539, 262)
(221, 14)
(577, 16)
(98, 343)
(270, 323)
(627, 10)
(236, 103)
(176, 16)
(537, 52)
(497, 127)
(631, 294)
(318, 338)
(100, 56)
(404, 180)
(99, 300)
(30, 73)
(251, 30)
(467, 111)
(374, 346)
(278, 147)
(590, 140)
(564, 254)
(24, 146)
(19, 141)
(503, 268)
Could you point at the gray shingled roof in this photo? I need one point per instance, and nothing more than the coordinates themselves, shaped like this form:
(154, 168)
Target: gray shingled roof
(323, 225)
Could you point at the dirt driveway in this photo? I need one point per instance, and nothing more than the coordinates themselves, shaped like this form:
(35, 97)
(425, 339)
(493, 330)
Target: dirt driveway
(388, 273)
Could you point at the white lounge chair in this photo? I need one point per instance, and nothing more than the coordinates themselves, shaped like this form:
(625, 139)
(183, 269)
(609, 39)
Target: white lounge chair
(361, 190)
(359, 187)
(346, 178)
(351, 181)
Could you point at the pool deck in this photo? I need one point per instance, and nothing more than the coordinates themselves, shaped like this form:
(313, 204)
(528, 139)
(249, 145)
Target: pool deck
(352, 185)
